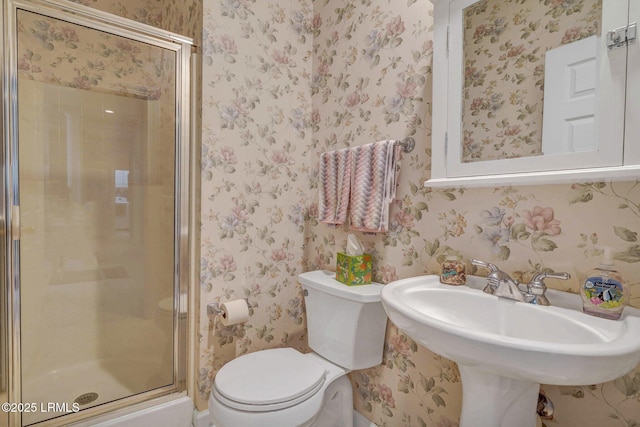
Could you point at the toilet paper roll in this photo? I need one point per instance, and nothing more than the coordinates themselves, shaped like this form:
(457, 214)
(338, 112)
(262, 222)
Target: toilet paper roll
(234, 312)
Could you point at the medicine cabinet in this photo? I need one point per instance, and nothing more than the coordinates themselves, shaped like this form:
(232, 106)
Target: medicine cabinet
(533, 92)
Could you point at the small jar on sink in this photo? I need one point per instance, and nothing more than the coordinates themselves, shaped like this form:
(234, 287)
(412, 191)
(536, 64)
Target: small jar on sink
(453, 271)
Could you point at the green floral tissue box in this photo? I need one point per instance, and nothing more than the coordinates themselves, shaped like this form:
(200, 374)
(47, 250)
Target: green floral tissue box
(353, 270)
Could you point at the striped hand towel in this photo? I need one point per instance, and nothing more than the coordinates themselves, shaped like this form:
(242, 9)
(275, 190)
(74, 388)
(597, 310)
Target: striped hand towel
(373, 185)
(334, 186)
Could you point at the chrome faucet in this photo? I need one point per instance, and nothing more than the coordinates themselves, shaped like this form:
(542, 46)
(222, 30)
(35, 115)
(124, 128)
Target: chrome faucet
(502, 285)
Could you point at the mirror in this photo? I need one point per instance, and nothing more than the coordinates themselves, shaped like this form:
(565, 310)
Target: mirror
(514, 54)
(527, 90)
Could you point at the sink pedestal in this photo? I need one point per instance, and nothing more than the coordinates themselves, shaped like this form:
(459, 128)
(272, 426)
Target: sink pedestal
(489, 400)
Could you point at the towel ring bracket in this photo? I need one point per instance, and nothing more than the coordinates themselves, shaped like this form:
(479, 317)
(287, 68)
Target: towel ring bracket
(407, 144)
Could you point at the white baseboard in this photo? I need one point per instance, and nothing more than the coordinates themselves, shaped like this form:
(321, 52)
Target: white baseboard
(360, 420)
(201, 419)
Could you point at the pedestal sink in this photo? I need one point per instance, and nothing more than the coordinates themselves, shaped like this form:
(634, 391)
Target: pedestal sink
(506, 349)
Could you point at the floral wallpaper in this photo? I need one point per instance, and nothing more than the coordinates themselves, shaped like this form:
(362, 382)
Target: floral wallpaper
(256, 163)
(61, 53)
(372, 81)
(283, 82)
(504, 56)
(181, 17)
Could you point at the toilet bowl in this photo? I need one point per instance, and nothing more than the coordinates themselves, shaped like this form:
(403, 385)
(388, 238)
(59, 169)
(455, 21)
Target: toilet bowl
(285, 388)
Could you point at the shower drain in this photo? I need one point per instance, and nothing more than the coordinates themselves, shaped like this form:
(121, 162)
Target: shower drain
(85, 399)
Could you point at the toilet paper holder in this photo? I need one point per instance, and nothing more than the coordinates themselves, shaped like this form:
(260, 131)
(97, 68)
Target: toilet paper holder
(214, 309)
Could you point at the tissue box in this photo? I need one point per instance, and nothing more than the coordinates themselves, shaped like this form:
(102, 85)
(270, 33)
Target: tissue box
(353, 270)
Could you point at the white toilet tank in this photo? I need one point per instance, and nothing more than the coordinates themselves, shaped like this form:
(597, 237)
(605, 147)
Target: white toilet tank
(346, 324)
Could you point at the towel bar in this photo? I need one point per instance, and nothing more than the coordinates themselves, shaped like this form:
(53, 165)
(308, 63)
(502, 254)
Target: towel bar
(407, 144)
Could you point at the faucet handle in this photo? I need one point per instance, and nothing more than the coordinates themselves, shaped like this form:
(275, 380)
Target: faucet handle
(537, 287)
(538, 279)
(491, 267)
(492, 278)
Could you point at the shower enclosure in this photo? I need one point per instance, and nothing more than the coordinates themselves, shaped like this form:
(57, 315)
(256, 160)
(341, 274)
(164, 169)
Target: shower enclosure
(95, 214)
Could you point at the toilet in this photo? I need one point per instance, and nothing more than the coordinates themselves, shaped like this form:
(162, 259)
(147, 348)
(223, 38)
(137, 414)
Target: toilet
(285, 388)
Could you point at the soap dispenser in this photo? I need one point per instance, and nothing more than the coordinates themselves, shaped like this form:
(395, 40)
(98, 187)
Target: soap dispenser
(604, 291)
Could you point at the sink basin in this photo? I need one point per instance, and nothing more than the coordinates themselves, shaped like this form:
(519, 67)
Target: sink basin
(505, 349)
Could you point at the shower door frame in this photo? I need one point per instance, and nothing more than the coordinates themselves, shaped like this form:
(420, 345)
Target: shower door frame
(9, 202)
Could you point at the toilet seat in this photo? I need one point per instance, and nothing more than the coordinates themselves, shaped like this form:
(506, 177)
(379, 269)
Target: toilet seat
(279, 378)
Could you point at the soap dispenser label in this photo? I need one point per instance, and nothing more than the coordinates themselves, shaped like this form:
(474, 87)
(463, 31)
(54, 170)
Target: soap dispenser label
(604, 293)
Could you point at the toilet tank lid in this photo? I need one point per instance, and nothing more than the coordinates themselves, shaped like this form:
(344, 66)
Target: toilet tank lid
(325, 281)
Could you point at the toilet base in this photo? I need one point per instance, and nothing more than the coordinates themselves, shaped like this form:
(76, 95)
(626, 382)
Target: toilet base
(337, 410)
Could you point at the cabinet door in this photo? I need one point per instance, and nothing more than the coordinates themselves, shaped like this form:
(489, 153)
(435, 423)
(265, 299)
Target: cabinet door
(459, 155)
(505, 128)
(632, 127)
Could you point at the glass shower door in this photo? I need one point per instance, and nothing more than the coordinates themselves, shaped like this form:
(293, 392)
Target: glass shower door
(97, 173)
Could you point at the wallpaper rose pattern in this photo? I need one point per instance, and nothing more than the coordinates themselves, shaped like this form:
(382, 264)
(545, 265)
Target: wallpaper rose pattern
(369, 68)
(284, 81)
(179, 16)
(61, 53)
(504, 58)
(256, 141)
